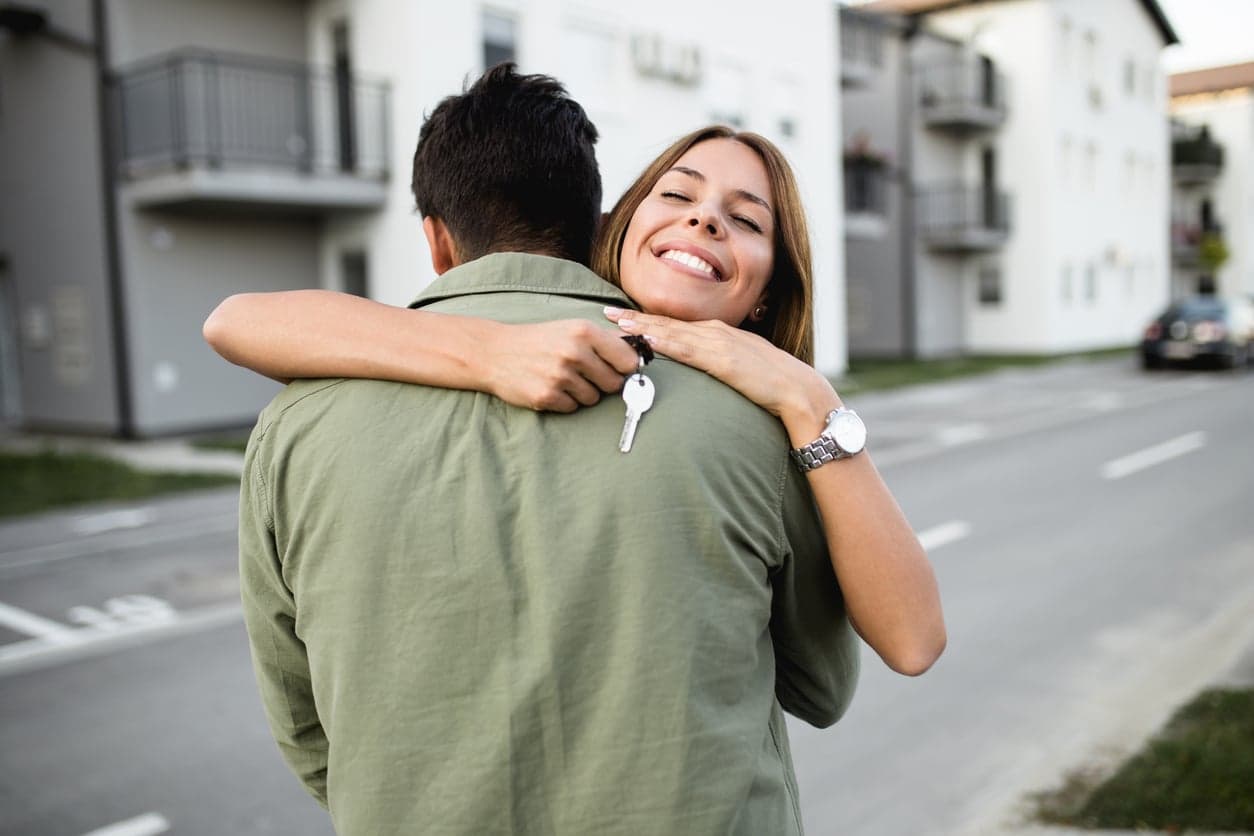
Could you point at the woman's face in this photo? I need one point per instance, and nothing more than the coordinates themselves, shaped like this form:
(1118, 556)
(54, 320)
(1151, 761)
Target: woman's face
(701, 244)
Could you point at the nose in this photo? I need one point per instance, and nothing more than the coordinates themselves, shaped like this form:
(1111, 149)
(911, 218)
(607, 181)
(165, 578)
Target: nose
(703, 216)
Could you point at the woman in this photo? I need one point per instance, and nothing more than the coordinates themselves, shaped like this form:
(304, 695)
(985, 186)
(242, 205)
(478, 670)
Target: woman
(712, 232)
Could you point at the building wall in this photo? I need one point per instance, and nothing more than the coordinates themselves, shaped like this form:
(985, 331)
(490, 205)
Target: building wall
(1096, 210)
(1230, 117)
(140, 29)
(177, 269)
(875, 272)
(52, 229)
(178, 264)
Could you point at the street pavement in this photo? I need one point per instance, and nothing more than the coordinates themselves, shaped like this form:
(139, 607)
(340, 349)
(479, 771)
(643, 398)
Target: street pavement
(1089, 525)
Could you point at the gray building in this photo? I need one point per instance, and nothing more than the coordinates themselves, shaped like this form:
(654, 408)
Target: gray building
(159, 155)
(915, 105)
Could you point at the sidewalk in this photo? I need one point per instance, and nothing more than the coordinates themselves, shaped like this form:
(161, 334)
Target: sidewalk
(173, 455)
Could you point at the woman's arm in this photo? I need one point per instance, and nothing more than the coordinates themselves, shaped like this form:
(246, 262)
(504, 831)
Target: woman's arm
(555, 366)
(889, 587)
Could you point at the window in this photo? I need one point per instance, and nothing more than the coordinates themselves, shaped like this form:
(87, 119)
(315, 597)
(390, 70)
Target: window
(1129, 77)
(499, 39)
(990, 285)
(1090, 283)
(354, 273)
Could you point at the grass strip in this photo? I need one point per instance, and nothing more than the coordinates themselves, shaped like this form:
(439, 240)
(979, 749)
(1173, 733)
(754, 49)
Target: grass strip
(867, 374)
(41, 481)
(1196, 774)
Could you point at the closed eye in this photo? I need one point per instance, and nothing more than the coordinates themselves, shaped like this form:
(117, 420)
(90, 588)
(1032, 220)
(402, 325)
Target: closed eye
(749, 222)
(675, 195)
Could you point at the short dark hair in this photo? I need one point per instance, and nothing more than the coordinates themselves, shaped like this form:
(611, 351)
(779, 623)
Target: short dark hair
(510, 165)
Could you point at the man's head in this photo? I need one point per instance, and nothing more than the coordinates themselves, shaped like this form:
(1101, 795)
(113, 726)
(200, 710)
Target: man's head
(509, 166)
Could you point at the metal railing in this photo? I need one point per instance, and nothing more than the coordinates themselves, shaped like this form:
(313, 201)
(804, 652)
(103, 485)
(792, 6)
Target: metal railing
(866, 188)
(1197, 149)
(196, 108)
(861, 40)
(961, 214)
(965, 91)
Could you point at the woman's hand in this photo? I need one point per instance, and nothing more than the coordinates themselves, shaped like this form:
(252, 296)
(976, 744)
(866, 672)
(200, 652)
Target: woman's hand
(770, 377)
(556, 366)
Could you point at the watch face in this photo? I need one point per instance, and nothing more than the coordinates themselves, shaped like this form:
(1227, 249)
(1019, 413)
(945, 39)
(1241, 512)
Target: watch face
(849, 432)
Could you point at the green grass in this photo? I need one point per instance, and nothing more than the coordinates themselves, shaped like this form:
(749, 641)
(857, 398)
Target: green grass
(866, 374)
(1197, 774)
(36, 482)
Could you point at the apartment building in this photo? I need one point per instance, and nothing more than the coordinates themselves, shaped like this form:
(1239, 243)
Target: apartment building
(163, 154)
(1013, 156)
(1212, 210)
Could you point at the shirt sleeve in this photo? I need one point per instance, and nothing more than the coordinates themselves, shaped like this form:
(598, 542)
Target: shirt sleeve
(279, 658)
(816, 648)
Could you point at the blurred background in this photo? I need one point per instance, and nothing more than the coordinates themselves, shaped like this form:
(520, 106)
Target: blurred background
(1036, 178)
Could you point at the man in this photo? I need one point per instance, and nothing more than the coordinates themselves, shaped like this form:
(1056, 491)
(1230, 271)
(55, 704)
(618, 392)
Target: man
(471, 618)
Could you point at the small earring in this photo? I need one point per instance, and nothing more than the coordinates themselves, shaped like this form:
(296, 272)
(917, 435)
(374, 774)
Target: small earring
(758, 312)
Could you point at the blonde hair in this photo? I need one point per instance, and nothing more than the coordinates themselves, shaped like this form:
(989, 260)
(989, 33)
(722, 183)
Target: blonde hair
(788, 322)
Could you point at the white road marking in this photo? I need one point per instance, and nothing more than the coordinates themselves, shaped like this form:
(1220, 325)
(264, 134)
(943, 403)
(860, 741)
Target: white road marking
(113, 520)
(43, 629)
(944, 534)
(961, 434)
(149, 824)
(87, 642)
(1150, 456)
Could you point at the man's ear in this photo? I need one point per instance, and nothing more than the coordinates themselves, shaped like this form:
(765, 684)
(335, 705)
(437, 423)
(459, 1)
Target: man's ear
(440, 242)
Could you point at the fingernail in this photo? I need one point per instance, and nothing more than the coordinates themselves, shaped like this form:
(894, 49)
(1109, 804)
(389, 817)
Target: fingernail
(649, 338)
(612, 311)
(626, 323)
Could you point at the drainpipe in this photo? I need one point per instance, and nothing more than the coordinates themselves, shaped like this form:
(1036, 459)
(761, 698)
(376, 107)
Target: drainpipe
(909, 277)
(113, 256)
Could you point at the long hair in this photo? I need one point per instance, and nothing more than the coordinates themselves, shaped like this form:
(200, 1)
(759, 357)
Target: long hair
(788, 322)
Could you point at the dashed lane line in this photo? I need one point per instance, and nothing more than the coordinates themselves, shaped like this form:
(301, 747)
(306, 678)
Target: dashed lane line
(944, 534)
(1151, 456)
(149, 824)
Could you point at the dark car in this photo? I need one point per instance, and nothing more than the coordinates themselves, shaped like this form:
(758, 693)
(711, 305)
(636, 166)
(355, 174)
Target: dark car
(1200, 329)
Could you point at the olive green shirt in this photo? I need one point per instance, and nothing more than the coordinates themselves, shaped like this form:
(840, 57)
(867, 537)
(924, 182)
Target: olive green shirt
(470, 618)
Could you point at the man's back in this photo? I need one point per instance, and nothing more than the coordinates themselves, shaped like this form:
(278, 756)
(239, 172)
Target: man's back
(511, 627)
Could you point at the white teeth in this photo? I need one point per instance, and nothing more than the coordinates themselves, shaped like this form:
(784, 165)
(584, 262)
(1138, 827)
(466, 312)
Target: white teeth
(689, 260)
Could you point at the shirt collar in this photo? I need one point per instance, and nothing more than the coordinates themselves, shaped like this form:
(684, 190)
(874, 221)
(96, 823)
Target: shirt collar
(522, 273)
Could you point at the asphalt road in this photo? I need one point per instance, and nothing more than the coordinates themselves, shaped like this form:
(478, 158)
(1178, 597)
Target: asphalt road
(1090, 527)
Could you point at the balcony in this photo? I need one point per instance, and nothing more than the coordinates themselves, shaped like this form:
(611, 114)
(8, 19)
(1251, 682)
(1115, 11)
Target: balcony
(962, 95)
(861, 48)
(1195, 157)
(206, 130)
(866, 196)
(1187, 240)
(963, 219)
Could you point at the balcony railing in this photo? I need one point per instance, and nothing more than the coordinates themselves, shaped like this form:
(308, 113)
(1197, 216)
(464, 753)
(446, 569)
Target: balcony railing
(234, 116)
(861, 47)
(963, 219)
(866, 187)
(1195, 157)
(962, 95)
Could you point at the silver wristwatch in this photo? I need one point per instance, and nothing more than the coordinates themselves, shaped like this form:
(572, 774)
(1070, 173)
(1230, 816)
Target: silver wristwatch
(844, 436)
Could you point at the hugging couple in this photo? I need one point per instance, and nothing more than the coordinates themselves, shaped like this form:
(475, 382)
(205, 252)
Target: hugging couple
(469, 612)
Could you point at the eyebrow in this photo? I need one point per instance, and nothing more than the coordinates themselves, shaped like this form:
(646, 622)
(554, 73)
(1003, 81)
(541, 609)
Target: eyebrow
(747, 195)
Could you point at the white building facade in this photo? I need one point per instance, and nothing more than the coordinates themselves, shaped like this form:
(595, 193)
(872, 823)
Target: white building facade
(1064, 184)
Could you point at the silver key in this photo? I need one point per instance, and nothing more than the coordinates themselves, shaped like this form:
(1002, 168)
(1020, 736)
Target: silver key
(638, 395)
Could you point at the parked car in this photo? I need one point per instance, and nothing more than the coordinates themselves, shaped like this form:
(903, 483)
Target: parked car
(1200, 329)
